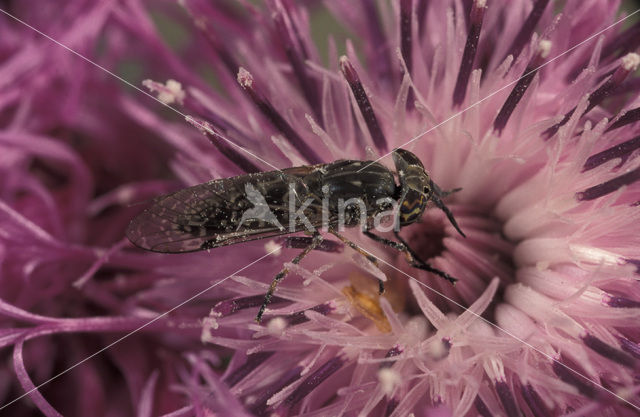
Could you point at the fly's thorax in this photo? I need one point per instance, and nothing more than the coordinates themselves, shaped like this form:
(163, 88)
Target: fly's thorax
(351, 181)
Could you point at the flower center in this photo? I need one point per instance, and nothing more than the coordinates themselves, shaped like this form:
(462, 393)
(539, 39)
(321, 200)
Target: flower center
(426, 238)
(474, 261)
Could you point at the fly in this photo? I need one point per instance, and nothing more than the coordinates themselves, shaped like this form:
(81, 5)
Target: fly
(344, 193)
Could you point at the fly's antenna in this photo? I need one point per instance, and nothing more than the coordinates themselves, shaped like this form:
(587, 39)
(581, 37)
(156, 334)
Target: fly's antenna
(448, 212)
(435, 197)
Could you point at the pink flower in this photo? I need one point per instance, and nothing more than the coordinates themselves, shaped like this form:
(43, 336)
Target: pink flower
(530, 107)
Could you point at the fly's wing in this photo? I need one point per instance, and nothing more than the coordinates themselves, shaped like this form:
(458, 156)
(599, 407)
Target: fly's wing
(226, 211)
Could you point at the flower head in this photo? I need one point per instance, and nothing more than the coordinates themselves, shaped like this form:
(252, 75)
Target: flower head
(529, 108)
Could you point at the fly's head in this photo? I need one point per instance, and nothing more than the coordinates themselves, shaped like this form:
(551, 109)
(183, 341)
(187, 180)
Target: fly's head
(415, 186)
(417, 189)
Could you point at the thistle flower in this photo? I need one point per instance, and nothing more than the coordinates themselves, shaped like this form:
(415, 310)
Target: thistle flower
(530, 107)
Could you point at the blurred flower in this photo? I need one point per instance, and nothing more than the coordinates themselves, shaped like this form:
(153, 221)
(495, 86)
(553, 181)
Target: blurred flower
(543, 320)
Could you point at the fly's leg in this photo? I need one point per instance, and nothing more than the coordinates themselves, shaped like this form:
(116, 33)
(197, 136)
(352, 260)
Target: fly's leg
(410, 255)
(362, 252)
(317, 240)
(416, 262)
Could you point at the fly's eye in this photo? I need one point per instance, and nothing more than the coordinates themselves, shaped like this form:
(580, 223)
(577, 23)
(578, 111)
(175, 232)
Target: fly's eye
(426, 190)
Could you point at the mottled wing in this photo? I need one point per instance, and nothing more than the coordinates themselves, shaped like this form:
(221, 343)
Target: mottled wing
(224, 212)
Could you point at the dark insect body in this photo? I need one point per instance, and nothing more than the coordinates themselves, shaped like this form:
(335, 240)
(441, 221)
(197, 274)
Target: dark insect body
(301, 199)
